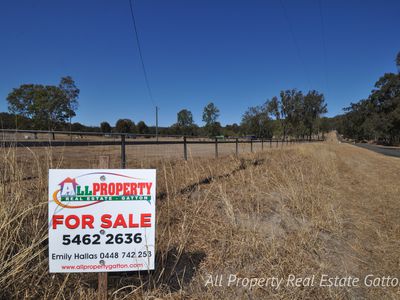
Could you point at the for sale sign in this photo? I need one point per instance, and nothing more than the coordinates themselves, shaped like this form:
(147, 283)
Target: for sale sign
(101, 220)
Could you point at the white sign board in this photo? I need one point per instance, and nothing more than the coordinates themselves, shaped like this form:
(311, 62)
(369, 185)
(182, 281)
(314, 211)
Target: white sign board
(101, 220)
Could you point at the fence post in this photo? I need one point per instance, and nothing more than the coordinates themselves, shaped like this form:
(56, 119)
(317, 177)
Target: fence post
(123, 156)
(184, 148)
(102, 278)
(216, 148)
(251, 145)
(237, 147)
(262, 144)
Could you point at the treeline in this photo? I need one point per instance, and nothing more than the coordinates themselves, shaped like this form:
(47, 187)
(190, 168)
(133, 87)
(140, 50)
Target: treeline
(377, 117)
(292, 114)
(45, 107)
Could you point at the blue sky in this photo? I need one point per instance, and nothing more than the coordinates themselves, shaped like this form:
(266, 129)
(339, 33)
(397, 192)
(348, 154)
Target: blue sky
(234, 53)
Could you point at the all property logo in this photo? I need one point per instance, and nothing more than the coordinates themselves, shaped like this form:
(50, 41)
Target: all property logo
(100, 189)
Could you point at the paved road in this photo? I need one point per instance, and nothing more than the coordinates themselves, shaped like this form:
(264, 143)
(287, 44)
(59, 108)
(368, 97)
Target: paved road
(389, 151)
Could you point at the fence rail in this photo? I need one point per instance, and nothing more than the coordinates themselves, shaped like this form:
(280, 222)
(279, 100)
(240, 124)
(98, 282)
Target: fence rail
(10, 139)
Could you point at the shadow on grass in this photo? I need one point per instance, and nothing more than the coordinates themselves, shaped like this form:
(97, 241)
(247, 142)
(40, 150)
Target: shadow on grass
(174, 270)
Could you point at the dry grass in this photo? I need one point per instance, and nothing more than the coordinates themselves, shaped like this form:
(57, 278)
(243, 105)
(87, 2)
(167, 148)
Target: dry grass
(305, 209)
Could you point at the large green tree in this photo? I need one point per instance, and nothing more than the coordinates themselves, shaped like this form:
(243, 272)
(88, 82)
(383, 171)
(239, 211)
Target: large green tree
(287, 111)
(378, 116)
(125, 126)
(210, 113)
(273, 109)
(313, 107)
(46, 105)
(185, 118)
(210, 117)
(255, 121)
(231, 130)
(12, 121)
(142, 128)
(71, 93)
(296, 114)
(105, 127)
(185, 124)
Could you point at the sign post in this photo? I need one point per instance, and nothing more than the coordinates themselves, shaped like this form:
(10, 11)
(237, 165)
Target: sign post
(101, 220)
(102, 279)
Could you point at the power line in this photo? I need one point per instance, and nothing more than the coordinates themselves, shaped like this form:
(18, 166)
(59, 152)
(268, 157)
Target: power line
(140, 54)
(296, 44)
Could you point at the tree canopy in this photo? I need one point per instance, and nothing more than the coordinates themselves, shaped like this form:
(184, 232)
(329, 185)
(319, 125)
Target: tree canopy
(142, 128)
(297, 114)
(210, 114)
(105, 127)
(255, 121)
(185, 124)
(185, 118)
(125, 126)
(49, 107)
(210, 117)
(378, 116)
(46, 105)
(313, 107)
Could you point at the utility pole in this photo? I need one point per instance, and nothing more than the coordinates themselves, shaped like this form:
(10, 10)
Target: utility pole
(70, 128)
(157, 123)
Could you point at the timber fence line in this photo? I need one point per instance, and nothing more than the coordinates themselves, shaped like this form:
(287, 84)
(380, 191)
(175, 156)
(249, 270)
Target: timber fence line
(182, 146)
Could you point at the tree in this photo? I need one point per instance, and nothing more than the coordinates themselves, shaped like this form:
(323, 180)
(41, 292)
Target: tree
(398, 62)
(185, 124)
(273, 109)
(378, 116)
(210, 117)
(46, 105)
(142, 128)
(292, 103)
(210, 113)
(105, 127)
(384, 105)
(78, 127)
(185, 118)
(125, 126)
(231, 130)
(287, 111)
(71, 92)
(12, 121)
(255, 121)
(313, 107)
(295, 113)
(213, 129)
(326, 125)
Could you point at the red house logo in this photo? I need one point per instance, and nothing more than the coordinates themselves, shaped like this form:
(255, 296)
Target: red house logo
(68, 187)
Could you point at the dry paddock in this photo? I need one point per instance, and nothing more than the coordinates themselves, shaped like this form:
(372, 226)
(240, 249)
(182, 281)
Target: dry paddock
(136, 155)
(310, 209)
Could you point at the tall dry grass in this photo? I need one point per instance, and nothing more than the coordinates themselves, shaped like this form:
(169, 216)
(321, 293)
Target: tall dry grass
(298, 210)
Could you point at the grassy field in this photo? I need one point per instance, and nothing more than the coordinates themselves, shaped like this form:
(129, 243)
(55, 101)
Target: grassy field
(321, 208)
